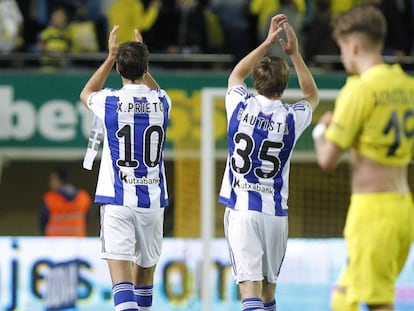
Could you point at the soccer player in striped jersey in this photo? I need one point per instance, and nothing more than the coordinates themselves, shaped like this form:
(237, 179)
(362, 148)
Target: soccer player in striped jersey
(374, 118)
(262, 132)
(131, 185)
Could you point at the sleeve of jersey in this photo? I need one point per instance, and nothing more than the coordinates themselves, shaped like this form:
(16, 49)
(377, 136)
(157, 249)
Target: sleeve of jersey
(303, 115)
(352, 108)
(163, 96)
(96, 102)
(235, 95)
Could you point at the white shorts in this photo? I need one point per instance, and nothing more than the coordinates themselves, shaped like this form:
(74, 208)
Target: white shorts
(257, 244)
(132, 235)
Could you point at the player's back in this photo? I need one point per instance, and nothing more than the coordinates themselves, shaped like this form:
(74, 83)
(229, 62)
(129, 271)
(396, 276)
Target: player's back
(386, 135)
(132, 172)
(261, 134)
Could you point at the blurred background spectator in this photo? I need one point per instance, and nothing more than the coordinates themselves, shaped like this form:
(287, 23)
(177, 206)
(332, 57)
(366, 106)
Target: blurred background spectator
(54, 39)
(295, 12)
(88, 27)
(131, 14)
(11, 21)
(400, 33)
(65, 208)
(316, 31)
(187, 27)
(238, 24)
(264, 9)
(192, 27)
(159, 36)
(341, 6)
(400, 28)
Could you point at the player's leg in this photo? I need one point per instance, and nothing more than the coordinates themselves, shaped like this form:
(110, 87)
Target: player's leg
(149, 234)
(404, 224)
(374, 220)
(122, 286)
(143, 286)
(245, 248)
(250, 291)
(268, 295)
(118, 250)
(275, 231)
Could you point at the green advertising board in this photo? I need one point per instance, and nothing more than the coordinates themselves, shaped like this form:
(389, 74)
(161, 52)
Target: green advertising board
(42, 111)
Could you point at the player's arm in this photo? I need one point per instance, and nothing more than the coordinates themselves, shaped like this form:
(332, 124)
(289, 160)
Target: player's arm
(148, 78)
(306, 81)
(245, 66)
(328, 153)
(339, 130)
(97, 80)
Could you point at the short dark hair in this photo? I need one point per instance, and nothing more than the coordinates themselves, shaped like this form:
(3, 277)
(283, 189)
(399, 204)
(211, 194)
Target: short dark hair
(132, 60)
(271, 76)
(365, 19)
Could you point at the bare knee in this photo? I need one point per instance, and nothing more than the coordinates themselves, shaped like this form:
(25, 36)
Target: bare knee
(249, 289)
(268, 291)
(143, 276)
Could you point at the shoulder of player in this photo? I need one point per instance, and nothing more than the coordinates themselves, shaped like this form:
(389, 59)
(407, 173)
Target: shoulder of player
(107, 90)
(300, 105)
(239, 90)
(355, 87)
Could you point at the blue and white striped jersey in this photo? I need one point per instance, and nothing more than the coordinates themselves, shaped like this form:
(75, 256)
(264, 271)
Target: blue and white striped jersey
(132, 171)
(261, 136)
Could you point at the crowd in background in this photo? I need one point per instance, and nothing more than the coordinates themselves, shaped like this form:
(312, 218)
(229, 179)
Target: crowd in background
(185, 26)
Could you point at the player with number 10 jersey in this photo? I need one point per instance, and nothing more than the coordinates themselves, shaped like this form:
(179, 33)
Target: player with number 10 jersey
(132, 172)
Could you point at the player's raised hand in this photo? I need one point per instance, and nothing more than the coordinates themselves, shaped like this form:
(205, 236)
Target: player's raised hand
(291, 45)
(275, 27)
(138, 36)
(277, 21)
(113, 42)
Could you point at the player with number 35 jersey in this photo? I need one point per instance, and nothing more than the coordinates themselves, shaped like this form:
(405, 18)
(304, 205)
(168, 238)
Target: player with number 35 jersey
(262, 133)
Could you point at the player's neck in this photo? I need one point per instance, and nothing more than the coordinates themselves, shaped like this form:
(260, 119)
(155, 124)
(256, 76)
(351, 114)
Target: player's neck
(126, 81)
(368, 61)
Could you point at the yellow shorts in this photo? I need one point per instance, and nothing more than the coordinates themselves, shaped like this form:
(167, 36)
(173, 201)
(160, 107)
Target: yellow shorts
(379, 231)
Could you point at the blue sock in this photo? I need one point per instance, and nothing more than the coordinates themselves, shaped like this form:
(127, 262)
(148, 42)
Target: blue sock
(270, 306)
(252, 304)
(124, 298)
(143, 296)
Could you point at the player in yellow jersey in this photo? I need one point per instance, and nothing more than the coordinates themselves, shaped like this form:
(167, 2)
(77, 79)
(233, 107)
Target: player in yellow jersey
(374, 118)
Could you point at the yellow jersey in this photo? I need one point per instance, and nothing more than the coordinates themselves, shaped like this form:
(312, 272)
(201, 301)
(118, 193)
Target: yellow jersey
(55, 39)
(374, 114)
(131, 14)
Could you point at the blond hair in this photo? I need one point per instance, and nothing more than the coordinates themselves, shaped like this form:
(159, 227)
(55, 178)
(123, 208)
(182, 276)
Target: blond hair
(366, 20)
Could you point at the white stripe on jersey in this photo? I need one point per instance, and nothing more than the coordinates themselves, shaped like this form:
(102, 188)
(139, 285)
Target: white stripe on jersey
(132, 171)
(262, 135)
